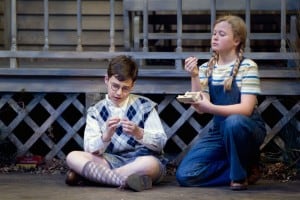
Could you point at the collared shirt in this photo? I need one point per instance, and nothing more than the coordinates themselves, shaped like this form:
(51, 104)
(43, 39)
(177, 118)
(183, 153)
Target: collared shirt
(154, 136)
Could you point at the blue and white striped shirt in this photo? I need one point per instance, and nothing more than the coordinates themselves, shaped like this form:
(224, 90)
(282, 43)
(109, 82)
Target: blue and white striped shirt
(247, 78)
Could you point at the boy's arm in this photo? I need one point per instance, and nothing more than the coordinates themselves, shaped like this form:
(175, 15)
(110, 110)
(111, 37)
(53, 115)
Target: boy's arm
(93, 142)
(154, 136)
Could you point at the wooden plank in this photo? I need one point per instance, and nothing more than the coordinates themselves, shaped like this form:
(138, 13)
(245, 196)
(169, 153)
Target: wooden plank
(96, 55)
(156, 81)
(179, 142)
(280, 87)
(64, 38)
(71, 72)
(206, 36)
(156, 5)
(29, 22)
(53, 85)
(66, 7)
(163, 104)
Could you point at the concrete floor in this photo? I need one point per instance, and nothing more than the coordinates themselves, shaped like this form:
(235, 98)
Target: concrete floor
(46, 187)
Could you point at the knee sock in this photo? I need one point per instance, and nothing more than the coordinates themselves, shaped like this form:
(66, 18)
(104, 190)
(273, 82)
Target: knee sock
(101, 174)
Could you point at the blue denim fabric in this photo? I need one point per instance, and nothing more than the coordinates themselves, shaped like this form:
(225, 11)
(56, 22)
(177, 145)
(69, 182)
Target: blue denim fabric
(206, 163)
(226, 152)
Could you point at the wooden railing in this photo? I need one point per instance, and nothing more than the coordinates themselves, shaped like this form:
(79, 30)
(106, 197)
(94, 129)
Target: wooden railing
(133, 11)
(132, 16)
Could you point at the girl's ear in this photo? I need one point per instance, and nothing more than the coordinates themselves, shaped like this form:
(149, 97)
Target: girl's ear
(237, 42)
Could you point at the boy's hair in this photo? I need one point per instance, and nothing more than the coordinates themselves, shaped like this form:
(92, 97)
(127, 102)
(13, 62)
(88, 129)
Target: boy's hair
(239, 31)
(123, 68)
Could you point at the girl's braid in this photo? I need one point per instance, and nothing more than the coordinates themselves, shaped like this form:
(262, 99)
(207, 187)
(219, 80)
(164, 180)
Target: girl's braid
(228, 81)
(210, 65)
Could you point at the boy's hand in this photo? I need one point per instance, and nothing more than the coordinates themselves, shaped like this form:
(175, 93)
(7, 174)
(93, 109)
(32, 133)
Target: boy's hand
(111, 125)
(131, 128)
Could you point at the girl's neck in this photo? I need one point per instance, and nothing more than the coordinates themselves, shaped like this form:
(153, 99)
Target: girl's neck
(226, 59)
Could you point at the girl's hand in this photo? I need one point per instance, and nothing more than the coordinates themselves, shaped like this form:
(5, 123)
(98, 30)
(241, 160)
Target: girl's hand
(203, 105)
(131, 128)
(191, 66)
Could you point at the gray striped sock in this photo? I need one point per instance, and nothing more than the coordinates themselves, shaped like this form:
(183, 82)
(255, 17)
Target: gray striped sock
(101, 174)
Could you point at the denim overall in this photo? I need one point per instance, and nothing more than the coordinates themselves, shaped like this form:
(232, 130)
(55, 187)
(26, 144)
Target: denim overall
(231, 145)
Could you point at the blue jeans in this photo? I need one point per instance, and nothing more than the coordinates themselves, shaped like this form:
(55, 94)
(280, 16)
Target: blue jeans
(224, 154)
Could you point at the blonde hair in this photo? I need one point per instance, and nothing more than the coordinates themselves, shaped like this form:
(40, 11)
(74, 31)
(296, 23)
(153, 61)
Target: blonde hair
(239, 32)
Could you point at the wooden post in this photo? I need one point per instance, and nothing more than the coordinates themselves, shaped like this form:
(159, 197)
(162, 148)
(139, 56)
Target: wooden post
(46, 25)
(212, 15)
(283, 26)
(112, 26)
(248, 24)
(145, 26)
(79, 27)
(178, 63)
(13, 48)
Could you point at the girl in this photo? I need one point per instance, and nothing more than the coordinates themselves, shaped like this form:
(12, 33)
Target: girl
(229, 85)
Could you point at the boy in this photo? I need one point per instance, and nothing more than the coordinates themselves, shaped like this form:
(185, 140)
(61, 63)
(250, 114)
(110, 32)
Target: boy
(123, 137)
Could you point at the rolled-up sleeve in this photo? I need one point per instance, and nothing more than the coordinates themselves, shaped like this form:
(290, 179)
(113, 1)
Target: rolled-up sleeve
(154, 137)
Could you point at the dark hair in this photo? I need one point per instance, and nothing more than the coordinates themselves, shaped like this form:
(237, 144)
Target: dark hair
(123, 68)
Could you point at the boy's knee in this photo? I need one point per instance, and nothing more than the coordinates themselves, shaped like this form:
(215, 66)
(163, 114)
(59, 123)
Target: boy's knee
(71, 156)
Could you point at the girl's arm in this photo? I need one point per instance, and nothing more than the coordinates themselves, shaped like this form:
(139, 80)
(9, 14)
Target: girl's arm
(191, 66)
(248, 103)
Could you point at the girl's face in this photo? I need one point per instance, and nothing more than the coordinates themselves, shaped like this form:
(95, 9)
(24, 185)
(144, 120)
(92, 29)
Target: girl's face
(117, 90)
(222, 40)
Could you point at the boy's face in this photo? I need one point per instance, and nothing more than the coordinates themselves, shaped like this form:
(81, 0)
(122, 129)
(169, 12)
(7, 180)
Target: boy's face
(117, 90)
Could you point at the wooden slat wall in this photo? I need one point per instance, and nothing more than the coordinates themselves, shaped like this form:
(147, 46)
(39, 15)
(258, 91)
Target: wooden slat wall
(63, 24)
(28, 120)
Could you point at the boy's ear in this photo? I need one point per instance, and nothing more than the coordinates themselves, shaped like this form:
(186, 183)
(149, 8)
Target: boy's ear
(106, 79)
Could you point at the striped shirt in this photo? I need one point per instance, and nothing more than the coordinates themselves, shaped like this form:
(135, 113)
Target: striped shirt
(139, 109)
(247, 78)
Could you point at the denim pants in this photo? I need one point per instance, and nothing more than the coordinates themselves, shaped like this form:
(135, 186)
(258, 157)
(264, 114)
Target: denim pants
(224, 154)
